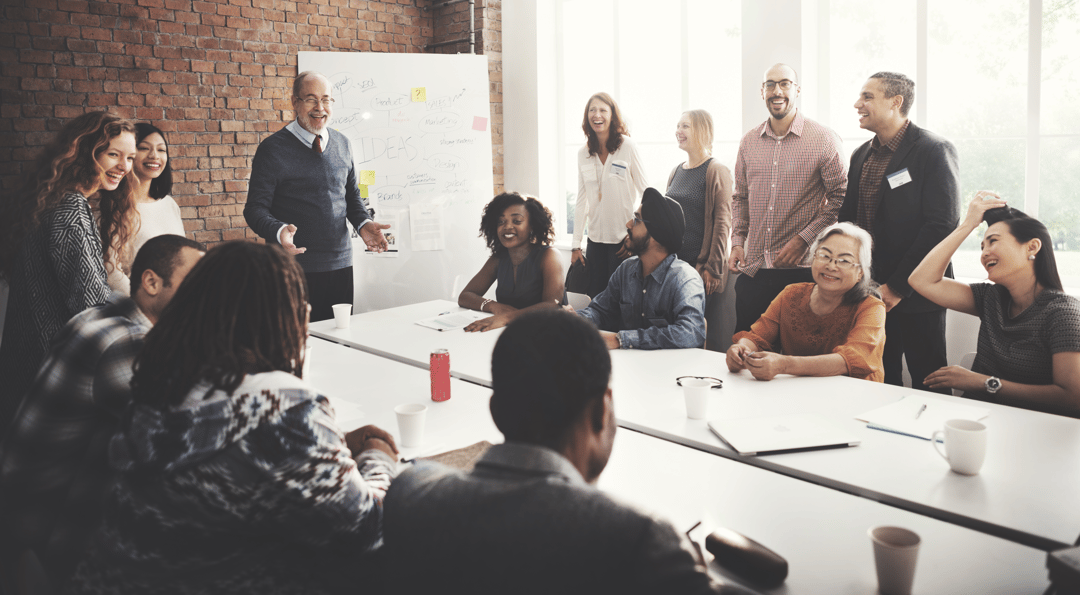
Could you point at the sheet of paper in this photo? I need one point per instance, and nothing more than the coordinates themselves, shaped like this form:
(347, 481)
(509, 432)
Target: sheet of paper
(392, 235)
(904, 415)
(452, 320)
(348, 416)
(426, 222)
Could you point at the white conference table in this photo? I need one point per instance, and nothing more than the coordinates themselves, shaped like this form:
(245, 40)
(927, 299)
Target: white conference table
(1025, 492)
(822, 533)
(364, 389)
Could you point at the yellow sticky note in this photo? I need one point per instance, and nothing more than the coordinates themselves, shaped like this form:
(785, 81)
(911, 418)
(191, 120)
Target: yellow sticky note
(363, 191)
(367, 177)
(419, 93)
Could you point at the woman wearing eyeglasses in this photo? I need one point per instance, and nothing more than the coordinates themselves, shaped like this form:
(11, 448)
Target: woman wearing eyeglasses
(610, 184)
(702, 186)
(834, 326)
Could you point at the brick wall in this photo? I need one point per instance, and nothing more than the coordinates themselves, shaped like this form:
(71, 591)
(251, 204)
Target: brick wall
(215, 75)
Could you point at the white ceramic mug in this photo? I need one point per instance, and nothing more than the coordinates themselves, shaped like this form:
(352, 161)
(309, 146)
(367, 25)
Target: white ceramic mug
(895, 551)
(965, 445)
(696, 394)
(410, 419)
(342, 312)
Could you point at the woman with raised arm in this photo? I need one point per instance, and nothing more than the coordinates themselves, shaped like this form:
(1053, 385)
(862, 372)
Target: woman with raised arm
(702, 186)
(50, 250)
(1029, 341)
(611, 182)
(834, 326)
(158, 213)
(519, 233)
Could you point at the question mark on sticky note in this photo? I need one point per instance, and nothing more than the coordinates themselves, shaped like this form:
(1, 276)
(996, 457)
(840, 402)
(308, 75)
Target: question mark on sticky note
(419, 93)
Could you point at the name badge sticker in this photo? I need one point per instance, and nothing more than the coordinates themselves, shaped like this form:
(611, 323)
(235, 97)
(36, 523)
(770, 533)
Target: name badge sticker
(619, 169)
(898, 179)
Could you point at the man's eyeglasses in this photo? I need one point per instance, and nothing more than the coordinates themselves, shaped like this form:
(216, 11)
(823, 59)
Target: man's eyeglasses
(785, 85)
(843, 263)
(637, 219)
(325, 101)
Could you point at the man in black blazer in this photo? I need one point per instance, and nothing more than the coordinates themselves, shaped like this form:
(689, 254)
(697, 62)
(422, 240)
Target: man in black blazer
(903, 187)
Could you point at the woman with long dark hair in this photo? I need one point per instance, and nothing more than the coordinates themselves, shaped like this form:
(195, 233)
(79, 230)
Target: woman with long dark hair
(156, 213)
(232, 475)
(611, 182)
(519, 233)
(1029, 341)
(50, 251)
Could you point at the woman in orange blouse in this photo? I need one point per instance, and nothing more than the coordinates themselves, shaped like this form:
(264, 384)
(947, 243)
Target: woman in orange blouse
(831, 327)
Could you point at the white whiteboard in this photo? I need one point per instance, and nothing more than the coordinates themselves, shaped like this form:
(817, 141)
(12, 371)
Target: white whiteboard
(430, 153)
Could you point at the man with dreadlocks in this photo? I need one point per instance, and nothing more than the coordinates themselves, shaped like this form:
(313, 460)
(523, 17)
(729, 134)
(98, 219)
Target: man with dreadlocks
(232, 474)
(53, 463)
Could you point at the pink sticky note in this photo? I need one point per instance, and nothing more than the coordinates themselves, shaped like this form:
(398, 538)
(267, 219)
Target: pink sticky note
(479, 124)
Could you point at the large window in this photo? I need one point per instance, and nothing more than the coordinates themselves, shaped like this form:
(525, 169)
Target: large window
(656, 60)
(986, 79)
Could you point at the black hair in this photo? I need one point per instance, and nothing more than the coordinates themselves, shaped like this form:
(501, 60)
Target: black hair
(241, 310)
(160, 254)
(1025, 228)
(894, 83)
(546, 368)
(541, 227)
(161, 186)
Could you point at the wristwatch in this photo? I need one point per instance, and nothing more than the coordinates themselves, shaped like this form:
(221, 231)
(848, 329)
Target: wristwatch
(993, 385)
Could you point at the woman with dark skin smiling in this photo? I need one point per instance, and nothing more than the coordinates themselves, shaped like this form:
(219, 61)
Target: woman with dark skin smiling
(519, 232)
(1029, 341)
(834, 326)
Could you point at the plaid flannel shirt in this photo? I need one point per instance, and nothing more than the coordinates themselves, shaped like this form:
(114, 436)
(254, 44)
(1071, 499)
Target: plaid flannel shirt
(785, 187)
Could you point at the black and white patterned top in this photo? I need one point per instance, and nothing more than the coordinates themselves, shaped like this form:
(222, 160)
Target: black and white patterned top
(1021, 349)
(58, 273)
(687, 187)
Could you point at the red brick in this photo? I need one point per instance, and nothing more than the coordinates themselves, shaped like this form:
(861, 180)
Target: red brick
(176, 65)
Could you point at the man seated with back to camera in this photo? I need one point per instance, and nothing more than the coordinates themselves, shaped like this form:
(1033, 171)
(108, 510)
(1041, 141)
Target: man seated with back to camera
(526, 519)
(653, 300)
(54, 472)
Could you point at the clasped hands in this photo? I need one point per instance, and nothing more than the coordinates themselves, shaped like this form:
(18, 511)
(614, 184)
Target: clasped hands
(371, 438)
(763, 365)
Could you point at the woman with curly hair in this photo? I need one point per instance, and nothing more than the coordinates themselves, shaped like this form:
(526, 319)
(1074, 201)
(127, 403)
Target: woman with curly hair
(519, 232)
(158, 213)
(50, 252)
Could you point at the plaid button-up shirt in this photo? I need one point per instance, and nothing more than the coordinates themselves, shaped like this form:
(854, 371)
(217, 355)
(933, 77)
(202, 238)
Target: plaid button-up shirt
(871, 176)
(785, 187)
(54, 470)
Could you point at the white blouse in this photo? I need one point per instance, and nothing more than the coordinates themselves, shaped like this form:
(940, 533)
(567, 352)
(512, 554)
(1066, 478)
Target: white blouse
(608, 193)
(158, 217)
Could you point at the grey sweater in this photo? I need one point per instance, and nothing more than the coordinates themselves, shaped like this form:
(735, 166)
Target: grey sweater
(290, 183)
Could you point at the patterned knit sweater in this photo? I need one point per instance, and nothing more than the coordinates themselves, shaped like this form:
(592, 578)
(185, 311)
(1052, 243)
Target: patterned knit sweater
(253, 493)
(59, 272)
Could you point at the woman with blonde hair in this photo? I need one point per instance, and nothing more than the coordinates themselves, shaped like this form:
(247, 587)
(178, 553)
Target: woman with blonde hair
(703, 186)
(50, 252)
(610, 184)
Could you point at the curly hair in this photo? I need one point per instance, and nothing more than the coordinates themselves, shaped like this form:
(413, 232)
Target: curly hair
(618, 127)
(68, 163)
(241, 310)
(541, 228)
(161, 186)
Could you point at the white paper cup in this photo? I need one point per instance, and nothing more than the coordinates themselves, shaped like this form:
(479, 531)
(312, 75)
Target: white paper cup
(342, 312)
(696, 394)
(410, 419)
(895, 551)
(965, 445)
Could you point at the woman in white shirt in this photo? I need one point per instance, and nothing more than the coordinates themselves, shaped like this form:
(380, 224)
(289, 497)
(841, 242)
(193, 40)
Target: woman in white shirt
(610, 184)
(158, 213)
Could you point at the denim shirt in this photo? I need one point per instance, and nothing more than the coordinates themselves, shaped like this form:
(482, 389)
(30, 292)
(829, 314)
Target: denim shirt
(632, 305)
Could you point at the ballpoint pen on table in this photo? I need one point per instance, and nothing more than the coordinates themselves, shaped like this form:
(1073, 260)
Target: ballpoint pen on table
(921, 409)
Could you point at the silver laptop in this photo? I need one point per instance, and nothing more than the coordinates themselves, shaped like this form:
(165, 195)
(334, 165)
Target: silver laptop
(783, 433)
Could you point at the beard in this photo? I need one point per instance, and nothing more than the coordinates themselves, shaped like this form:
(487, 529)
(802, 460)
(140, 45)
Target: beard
(637, 247)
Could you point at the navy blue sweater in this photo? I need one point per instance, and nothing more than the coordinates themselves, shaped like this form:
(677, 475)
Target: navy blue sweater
(290, 183)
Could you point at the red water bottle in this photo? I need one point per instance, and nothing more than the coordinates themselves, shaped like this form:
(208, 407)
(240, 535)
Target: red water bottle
(440, 375)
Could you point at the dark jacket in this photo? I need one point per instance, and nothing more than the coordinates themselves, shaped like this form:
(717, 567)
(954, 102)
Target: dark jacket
(913, 218)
